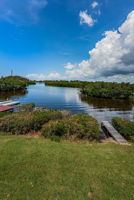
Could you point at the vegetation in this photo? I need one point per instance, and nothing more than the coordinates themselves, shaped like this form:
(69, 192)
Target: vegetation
(2, 114)
(55, 138)
(109, 90)
(41, 169)
(78, 126)
(99, 89)
(62, 123)
(26, 107)
(25, 122)
(74, 84)
(124, 127)
(13, 83)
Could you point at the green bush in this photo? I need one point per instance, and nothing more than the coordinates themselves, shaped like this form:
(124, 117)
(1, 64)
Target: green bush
(26, 107)
(78, 126)
(2, 114)
(24, 122)
(123, 126)
(14, 83)
(55, 138)
(54, 128)
(109, 90)
(74, 84)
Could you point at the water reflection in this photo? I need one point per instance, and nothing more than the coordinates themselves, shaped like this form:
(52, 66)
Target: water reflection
(71, 99)
(71, 95)
(12, 95)
(111, 104)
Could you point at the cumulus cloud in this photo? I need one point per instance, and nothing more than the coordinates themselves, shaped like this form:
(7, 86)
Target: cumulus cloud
(51, 76)
(85, 18)
(113, 55)
(69, 66)
(21, 11)
(94, 4)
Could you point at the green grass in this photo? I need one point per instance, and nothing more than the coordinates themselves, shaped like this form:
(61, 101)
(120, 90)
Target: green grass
(14, 83)
(39, 169)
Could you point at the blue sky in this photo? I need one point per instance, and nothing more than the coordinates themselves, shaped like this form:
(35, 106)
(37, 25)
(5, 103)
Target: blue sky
(51, 39)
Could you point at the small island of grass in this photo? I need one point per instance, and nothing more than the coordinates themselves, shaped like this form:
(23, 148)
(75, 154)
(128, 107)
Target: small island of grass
(14, 83)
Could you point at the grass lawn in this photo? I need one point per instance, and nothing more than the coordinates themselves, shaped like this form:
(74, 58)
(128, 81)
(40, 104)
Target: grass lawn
(39, 169)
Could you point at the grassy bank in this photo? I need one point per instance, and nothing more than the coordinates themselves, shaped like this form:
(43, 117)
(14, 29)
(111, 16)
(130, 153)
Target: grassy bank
(14, 83)
(124, 127)
(99, 89)
(41, 169)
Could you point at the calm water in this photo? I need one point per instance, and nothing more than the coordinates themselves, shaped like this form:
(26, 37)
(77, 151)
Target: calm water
(71, 99)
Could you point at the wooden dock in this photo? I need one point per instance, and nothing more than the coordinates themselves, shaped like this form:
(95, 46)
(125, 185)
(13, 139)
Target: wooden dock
(5, 108)
(110, 130)
(9, 103)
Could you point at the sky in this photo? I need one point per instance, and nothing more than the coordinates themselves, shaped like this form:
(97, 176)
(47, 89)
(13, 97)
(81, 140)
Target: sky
(70, 39)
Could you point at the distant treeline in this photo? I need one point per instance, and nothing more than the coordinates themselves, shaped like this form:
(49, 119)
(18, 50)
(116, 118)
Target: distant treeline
(99, 89)
(13, 83)
(74, 84)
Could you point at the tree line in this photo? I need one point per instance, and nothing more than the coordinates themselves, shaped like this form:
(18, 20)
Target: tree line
(99, 89)
(13, 83)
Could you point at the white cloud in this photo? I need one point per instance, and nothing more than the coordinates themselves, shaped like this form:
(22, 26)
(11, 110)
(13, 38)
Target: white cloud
(21, 11)
(113, 55)
(54, 76)
(51, 76)
(120, 78)
(36, 76)
(94, 4)
(69, 66)
(86, 19)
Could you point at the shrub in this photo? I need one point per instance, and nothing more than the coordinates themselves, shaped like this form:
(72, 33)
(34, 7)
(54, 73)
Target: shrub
(26, 107)
(54, 128)
(108, 90)
(78, 126)
(55, 138)
(14, 83)
(2, 114)
(123, 126)
(24, 122)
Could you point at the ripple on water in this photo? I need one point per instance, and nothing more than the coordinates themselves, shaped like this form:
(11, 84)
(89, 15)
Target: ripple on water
(71, 99)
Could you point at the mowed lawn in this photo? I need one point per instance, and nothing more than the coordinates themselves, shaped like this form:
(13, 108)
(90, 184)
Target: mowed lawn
(39, 169)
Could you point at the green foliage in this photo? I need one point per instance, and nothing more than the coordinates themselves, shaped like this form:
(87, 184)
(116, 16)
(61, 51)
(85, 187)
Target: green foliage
(2, 114)
(54, 128)
(74, 84)
(78, 126)
(13, 83)
(109, 90)
(123, 126)
(99, 89)
(55, 138)
(24, 122)
(26, 107)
